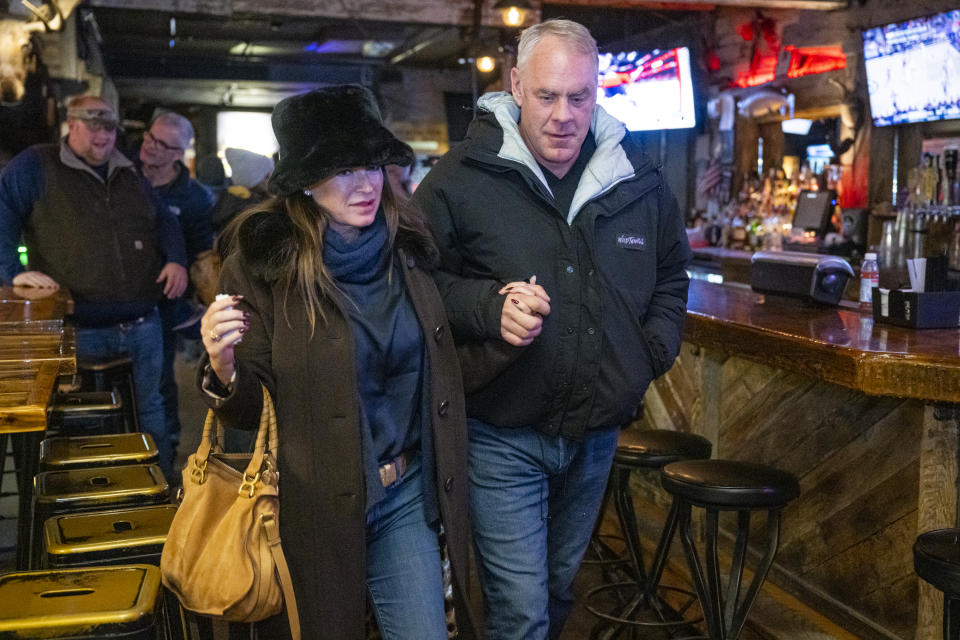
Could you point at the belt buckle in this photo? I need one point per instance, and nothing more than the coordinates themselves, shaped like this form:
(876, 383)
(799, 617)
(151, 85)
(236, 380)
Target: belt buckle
(392, 471)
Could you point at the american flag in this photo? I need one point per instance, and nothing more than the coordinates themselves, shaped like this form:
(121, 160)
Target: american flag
(710, 178)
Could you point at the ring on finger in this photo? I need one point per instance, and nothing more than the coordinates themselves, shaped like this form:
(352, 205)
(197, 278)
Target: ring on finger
(214, 337)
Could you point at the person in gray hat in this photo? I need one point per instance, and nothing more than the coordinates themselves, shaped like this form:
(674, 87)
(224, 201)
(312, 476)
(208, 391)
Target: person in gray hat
(331, 306)
(92, 224)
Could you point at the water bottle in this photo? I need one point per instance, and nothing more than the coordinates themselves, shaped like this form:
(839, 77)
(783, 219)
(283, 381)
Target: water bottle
(869, 278)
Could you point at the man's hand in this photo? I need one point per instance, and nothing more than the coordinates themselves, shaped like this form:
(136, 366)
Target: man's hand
(35, 279)
(174, 277)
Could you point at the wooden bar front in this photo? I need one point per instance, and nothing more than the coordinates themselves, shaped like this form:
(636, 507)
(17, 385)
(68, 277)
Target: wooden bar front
(35, 347)
(863, 414)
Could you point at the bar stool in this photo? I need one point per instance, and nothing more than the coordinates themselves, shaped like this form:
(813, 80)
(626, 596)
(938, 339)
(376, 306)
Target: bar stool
(646, 450)
(936, 559)
(740, 487)
(121, 536)
(85, 412)
(81, 604)
(118, 536)
(84, 490)
(97, 451)
(108, 374)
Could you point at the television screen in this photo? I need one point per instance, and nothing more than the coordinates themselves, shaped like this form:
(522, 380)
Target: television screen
(648, 90)
(913, 69)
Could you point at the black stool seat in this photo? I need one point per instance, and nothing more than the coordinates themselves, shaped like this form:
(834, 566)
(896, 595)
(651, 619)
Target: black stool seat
(654, 448)
(936, 558)
(730, 484)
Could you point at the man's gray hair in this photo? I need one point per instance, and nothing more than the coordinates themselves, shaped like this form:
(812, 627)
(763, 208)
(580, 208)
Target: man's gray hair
(182, 125)
(573, 33)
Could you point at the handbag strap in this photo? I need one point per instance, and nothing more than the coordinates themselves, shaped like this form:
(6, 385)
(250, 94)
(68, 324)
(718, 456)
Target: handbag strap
(267, 431)
(283, 573)
(268, 440)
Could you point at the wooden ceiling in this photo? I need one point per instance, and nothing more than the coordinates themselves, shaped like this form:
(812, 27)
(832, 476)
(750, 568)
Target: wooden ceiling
(447, 12)
(244, 49)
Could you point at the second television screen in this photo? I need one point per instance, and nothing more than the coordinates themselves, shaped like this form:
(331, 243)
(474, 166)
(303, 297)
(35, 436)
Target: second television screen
(648, 91)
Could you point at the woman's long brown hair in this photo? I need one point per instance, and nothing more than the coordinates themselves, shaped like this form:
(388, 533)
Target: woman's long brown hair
(304, 272)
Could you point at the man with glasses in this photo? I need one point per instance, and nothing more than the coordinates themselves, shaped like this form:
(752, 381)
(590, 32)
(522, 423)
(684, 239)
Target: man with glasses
(161, 161)
(92, 224)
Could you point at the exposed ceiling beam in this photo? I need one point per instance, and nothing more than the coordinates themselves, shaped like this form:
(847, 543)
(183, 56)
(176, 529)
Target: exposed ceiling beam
(447, 12)
(693, 5)
(423, 41)
(264, 95)
(156, 65)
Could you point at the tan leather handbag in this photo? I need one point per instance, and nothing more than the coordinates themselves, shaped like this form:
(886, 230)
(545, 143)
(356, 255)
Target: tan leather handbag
(222, 557)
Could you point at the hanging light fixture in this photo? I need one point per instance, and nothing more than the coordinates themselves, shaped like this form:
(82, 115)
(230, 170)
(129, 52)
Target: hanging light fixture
(513, 12)
(486, 64)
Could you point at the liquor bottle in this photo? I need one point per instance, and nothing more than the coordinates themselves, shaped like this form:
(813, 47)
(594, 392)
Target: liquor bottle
(869, 278)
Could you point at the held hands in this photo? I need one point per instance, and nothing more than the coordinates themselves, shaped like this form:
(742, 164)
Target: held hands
(174, 278)
(221, 328)
(521, 319)
(36, 279)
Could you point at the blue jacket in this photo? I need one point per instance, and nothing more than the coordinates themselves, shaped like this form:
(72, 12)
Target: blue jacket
(191, 203)
(613, 264)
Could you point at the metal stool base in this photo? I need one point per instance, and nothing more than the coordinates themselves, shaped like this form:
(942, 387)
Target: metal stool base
(642, 601)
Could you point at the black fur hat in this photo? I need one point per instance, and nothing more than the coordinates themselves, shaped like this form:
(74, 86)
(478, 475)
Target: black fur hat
(329, 129)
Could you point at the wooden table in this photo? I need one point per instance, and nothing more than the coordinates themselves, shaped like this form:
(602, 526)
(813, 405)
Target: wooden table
(36, 346)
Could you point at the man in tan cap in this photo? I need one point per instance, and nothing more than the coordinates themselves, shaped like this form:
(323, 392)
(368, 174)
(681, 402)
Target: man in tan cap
(92, 224)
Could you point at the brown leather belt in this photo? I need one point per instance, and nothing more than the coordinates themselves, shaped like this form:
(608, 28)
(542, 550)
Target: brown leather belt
(392, 471)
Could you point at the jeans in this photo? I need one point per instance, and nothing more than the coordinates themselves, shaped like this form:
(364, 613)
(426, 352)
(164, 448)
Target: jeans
(404, 573)
(535, 500)
(141, 340)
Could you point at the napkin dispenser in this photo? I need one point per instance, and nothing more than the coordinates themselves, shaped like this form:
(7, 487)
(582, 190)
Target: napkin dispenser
(810, 276)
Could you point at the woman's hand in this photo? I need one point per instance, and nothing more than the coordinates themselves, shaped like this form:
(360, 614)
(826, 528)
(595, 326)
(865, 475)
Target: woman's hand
(521, 319)
(221, 328)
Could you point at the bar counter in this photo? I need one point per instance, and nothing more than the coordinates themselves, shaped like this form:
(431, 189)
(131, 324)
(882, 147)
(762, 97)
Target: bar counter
(862, 413)
(838, 344)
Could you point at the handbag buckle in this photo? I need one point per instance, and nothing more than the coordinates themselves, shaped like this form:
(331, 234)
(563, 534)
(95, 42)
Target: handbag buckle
(199, 472)
(248, 484)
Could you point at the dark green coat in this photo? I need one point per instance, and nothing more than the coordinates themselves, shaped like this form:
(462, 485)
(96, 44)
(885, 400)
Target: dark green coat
(313, 383)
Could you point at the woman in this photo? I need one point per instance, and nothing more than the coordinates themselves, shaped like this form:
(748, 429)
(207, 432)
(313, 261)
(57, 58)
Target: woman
(341, 321)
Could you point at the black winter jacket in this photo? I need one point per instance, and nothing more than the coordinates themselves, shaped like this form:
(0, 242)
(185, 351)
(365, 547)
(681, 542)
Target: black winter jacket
(614, 267)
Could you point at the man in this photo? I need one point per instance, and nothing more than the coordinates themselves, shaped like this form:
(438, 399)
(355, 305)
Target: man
(161, 161)
(562, 266)
(94, 226)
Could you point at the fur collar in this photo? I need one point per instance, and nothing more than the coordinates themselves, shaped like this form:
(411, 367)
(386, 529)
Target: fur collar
(268, 242)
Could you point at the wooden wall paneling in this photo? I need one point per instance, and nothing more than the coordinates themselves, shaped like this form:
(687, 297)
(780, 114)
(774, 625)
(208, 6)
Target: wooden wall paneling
(706, 418)
(769, 415)
(936, 506)
(889, 501)
(811, 422)
(871, 576)
(878, 452)
(670, 402)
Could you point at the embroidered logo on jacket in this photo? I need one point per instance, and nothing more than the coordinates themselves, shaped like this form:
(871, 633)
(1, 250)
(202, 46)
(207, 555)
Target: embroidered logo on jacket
(637, 243)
